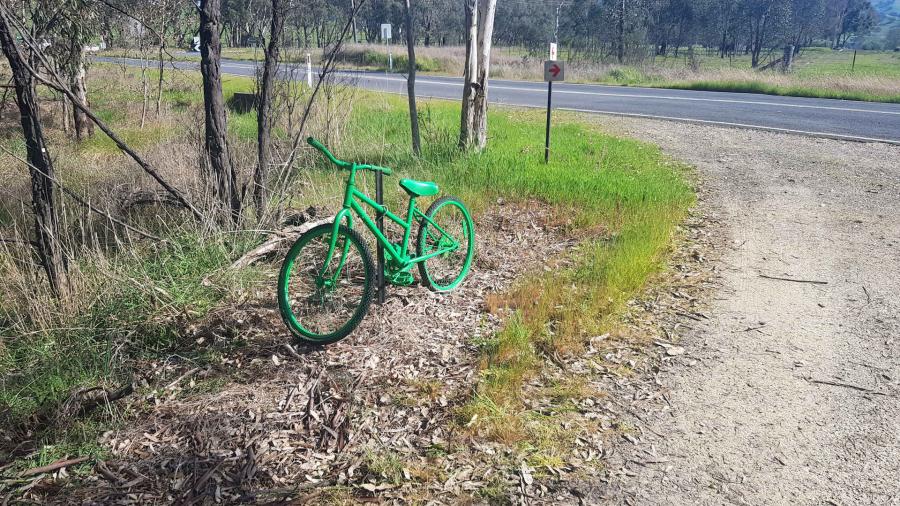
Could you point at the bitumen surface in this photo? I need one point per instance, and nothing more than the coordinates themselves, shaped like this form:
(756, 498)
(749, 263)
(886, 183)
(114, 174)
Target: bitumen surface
(840, 119)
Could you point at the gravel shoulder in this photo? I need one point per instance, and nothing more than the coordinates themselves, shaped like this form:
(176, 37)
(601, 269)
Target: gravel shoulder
(789, 390)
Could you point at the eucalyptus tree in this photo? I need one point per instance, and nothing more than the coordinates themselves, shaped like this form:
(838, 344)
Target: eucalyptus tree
(47, 244)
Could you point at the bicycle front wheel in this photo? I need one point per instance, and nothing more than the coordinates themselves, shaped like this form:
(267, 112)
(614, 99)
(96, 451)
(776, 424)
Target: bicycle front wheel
(323, 299)
(447, 233)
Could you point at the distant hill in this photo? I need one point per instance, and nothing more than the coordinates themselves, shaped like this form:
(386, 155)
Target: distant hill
(889, 14)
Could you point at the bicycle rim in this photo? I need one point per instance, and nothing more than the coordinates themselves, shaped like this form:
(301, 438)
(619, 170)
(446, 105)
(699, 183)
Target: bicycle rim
(323, 302)
(446, 271)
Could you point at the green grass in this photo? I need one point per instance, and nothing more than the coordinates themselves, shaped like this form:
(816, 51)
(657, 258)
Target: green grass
(137, 312)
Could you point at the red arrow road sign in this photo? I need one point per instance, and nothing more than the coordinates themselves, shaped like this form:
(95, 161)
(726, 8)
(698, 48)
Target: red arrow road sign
(554, 70)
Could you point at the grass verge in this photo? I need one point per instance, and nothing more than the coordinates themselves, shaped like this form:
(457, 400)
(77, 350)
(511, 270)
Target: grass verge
(764, 88)
(624, 196)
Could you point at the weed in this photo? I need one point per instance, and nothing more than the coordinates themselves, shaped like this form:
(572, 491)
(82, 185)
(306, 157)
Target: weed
(385, 466)
(495, 492)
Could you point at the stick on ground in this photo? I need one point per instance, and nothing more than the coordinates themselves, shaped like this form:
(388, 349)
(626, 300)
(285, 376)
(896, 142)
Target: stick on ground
(813, 281)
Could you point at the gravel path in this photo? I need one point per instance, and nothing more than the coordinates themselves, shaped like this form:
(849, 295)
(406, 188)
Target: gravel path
(790, 392)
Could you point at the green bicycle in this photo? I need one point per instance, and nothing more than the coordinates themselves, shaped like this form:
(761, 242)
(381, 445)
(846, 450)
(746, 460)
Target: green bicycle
(327, 281)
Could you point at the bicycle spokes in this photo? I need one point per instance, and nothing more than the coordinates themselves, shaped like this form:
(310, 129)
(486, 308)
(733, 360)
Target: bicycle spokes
(446, 241)
(327, 283)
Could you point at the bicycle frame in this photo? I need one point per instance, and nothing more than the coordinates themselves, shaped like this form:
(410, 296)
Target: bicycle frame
(352, 199)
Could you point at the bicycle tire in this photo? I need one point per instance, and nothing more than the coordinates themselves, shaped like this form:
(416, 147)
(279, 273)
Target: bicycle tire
(303, 330)
(427, 268)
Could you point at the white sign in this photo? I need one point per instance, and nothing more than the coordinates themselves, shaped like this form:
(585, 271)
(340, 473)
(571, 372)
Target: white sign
(554, 70)
(553, 50)
(386, 31)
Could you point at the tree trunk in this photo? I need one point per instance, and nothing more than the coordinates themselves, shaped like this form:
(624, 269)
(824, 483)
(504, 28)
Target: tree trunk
(264, 108)
(46, 222)
(83, 126)
(411, 80)
(159, 84)
(353, 20)
(620, 40)
(66, 115)
(467, 120)
(486, 10)
(214, 107)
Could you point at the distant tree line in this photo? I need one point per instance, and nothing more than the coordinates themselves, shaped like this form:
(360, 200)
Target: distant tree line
(598, 30)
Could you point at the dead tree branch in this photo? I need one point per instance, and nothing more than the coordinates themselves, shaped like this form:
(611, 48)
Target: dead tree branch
(49, 468)
(273, 243)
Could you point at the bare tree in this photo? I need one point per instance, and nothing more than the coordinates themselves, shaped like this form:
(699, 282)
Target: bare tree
(486, 10)
(467, 119)
(479, 30)
(83, 126)
(411, 80)
(264, 106)
(46, 221)
(214, 107)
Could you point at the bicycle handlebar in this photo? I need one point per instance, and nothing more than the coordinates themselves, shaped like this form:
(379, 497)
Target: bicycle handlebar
(340, 163)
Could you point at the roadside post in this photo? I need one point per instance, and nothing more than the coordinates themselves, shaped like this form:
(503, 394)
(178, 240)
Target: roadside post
(379, 220)
(308, 70)
(554, 70)
(386, 37)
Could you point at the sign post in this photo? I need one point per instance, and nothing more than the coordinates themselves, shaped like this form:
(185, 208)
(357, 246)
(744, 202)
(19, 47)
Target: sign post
(553, 71)
(386, 37)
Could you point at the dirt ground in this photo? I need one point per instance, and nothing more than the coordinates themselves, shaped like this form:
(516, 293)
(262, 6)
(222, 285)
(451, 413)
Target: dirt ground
(788, 391)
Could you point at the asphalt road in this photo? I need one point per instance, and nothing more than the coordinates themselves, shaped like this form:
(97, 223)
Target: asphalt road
(841, 119)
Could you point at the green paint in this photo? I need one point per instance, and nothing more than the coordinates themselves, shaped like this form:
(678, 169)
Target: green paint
(334, 300)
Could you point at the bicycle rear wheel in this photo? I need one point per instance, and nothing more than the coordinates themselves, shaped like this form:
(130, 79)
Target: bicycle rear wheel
(322, 299)
(450, 224)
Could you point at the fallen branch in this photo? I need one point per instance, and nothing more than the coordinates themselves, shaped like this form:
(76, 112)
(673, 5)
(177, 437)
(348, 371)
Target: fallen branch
(274, 241)
(812, 281)
(105, 398)
(179, 379)
(59, 464)
(147, 197)
(17, 241)
(844, 385)
(291, 351)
